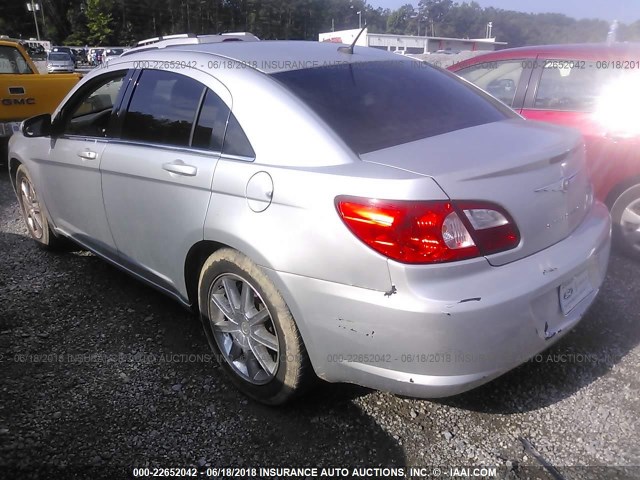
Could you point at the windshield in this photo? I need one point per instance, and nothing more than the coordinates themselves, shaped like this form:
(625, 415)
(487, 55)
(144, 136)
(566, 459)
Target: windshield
(375, 105)
(59, 57)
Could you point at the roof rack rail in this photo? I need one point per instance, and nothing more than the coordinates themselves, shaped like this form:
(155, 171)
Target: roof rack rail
(190, 39)
(161, 38)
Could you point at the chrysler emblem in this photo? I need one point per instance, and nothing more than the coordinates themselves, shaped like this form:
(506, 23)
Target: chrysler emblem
(561, 185)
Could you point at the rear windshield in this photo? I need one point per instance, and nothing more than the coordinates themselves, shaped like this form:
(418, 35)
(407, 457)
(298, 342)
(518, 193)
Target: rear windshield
(375, 105)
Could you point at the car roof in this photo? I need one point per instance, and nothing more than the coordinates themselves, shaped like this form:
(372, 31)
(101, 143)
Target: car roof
(573, 51)
(272, 56)
(579, 48)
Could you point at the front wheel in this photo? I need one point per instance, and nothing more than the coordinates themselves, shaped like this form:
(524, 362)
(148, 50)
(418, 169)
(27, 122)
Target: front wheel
(33, 212)
(625, 215)
(250, 329)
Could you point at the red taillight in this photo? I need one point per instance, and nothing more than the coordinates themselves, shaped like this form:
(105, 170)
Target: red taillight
(491, 226)
(428, 232)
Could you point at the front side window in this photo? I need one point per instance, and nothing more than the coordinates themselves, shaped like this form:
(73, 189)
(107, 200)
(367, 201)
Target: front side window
(571, 85)
(500, 79)
(162, 109)
(375, 105)
(11, 61)
(89, 115)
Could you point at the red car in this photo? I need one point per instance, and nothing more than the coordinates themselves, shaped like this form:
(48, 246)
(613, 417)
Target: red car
(592, 87)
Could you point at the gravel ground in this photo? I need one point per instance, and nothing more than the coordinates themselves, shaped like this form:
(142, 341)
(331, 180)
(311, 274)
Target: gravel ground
(101, 374)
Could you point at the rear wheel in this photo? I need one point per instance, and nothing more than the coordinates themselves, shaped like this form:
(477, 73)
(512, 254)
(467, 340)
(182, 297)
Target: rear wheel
(625, 214)
(251, 330)
(33, 211)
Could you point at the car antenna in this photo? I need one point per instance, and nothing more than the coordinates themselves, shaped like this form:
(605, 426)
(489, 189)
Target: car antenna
(349, 49)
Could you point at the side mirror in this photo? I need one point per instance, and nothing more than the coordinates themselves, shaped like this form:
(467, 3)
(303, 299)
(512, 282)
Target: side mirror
(38, 126)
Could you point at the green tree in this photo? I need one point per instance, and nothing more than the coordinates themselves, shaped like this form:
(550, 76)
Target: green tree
(377, 18)
(399, 20)
(435, 12)
(464, 21)
(78, 22)
(99, 22)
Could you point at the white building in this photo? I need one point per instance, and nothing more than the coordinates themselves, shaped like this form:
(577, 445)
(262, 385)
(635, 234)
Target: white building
(411, 44)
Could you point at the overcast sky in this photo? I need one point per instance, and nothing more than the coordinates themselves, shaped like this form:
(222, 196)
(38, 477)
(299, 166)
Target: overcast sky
(626, 11)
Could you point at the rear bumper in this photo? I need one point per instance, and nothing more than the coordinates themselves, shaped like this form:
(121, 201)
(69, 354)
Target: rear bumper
(447, 329)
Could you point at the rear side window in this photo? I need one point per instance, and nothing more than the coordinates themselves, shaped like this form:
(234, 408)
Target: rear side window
(375, 105)
(571, 85)
(212, 122)
(235, 140)
(163, 108)
(500, 79)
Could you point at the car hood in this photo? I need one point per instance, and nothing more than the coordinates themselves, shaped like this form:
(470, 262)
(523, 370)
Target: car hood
(533, 170)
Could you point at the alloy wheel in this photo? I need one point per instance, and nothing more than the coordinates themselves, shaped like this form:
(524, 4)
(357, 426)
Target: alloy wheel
(243, 329)
(31, 208)
(630, 224)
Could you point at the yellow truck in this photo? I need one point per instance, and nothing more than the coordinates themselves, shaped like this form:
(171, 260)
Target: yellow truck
(24, 92)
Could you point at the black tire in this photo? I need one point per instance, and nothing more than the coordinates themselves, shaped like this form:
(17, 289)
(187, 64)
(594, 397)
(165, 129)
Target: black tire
(623, 231)
(282, 373)
(34, 214)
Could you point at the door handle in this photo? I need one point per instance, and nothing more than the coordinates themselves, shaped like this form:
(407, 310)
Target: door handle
(181, 168)
(88, 155)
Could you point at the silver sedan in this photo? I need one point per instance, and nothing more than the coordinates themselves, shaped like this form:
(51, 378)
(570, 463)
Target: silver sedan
(60, 62)
(334, 213)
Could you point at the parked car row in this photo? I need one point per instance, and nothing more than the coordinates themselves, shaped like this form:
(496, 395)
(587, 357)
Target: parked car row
(591, 87)
(35, 51)
(111, 53)
(95, 56)
(83, 56)
(98, 56)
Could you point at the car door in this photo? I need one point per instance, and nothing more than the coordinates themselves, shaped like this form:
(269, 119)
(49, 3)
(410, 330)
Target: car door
(565, 92)
(157, 177)
(506, 80)
(568, 92)
(72, 170)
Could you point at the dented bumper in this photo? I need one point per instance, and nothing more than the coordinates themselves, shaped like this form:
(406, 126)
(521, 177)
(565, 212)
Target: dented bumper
(445, 329)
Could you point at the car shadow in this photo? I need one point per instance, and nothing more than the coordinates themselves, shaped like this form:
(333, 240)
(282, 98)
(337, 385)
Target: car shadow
(606, 334)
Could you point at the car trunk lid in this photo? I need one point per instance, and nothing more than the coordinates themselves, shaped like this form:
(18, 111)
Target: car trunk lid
(535, 171)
